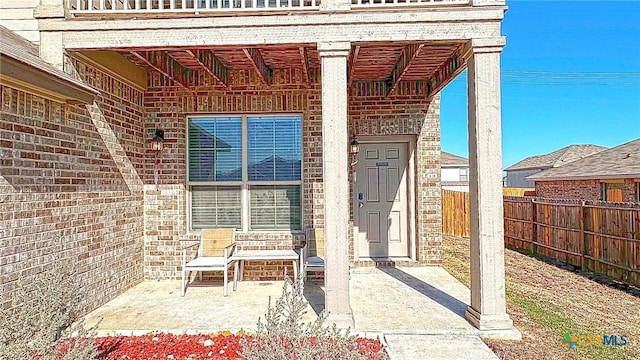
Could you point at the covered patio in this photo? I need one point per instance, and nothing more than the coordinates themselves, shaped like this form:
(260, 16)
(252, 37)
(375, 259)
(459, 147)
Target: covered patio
(423, 300)
(405, 307)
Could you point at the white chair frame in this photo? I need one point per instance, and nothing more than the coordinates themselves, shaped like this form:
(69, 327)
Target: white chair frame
(210, 263)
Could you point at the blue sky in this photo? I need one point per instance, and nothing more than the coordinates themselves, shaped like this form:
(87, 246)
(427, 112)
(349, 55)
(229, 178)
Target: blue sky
(570, 75)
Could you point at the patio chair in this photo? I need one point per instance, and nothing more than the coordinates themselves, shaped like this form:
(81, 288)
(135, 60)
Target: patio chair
(215, 253)
(312, 254)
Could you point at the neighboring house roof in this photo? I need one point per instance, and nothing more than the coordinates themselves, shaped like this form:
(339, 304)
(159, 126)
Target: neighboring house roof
(557, 158)
(21, 62)
(448, 159)
(622, 161)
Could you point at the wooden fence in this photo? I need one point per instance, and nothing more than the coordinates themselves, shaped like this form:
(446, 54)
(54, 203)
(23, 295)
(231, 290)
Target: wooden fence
(595, 236)
(455, 212)
(507, 191)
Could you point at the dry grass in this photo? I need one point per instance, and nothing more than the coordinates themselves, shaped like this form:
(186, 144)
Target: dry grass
(545, 302)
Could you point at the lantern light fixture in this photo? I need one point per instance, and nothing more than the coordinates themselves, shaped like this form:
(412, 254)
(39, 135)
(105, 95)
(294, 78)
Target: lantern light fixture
(354, 150)
(157, 143)
(354, 147)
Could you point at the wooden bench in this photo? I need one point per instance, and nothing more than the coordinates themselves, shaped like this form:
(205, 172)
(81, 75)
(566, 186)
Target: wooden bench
(266, 255)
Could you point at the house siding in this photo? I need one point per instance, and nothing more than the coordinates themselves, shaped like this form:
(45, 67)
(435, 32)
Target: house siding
(17, 15)
(69, 188)
(580, 189)
(517, 178)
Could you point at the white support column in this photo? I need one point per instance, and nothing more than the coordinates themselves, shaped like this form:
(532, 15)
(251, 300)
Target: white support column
(488, 306)
(335, 167)
(52, 48)
(51, 43)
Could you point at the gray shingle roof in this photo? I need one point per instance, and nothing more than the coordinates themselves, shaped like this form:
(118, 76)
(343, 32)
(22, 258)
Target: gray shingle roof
(451, 159)
(622, 161)
(557, 158)
(20, 49)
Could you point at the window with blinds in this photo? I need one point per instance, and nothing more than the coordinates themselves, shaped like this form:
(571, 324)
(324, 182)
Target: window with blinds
(216, 207)
(261, 155)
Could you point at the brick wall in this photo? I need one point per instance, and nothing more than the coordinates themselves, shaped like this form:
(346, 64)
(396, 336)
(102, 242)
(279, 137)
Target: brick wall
(78, 181)
(580, 189)
(629, 191)
(408, 114)
(167, 107)
(69, 187)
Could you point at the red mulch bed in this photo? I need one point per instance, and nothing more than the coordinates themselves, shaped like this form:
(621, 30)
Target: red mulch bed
(192, 347)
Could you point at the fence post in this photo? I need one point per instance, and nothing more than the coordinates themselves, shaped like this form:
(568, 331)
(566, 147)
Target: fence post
(583, 236)
(534, 228)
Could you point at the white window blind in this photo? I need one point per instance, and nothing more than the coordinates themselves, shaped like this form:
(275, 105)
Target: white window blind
(269, 169)
(275, 150)
(216, 207)
(215, 149)
(275, 207)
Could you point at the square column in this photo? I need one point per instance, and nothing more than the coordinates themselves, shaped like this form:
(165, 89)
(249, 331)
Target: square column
(488, 304)
(51, 43)
(335, 169)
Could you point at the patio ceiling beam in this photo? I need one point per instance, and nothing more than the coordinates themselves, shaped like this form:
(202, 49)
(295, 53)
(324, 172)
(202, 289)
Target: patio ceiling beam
(265, 73)
(448, 71)
(164, 64)
(211, 65)
(352, 62)
(409, 54)
(305, 64)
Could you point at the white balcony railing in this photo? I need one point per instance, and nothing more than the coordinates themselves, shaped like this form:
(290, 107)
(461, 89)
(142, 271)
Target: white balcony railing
(392, 3)
(190, 6)
(79, 7)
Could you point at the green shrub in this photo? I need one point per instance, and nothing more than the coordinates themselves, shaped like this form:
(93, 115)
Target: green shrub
(284, 334)
(42, 321)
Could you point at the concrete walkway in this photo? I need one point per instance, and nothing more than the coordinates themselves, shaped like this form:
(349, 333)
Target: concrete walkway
(415, 310)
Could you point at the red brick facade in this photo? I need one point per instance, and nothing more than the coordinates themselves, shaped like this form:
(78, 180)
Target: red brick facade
(582, 189)
(168, 108)
(69, 188)
(76, 181)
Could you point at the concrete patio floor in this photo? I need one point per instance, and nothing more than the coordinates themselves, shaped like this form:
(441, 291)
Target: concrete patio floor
(415, 310)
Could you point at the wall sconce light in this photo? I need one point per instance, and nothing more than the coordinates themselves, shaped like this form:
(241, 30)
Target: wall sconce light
(157, 145)
(354, 150)
(354, 147)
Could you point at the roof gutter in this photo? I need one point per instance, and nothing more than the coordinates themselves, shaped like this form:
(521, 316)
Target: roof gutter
(47, 84)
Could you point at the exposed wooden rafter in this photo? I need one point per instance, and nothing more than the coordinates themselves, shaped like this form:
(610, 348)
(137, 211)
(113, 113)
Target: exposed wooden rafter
(409, 54)
(352, 62)
(265, 73)
(210, 64)
(305, 64)
(164, 64)
(453, 66)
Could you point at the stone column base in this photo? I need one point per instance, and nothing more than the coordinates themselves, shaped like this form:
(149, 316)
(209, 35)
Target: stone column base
(488, 322)
(342, 321)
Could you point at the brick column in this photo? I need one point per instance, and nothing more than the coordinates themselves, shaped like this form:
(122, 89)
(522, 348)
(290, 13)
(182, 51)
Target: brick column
(335, 167)
(488, 306)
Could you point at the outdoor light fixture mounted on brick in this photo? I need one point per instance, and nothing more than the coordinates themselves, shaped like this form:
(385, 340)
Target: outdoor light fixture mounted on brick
(157, 144)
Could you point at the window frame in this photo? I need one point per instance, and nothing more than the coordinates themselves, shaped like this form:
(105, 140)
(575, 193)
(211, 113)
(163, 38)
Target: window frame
(463, 172)
(245, 184)
(604, 187)
(637, 183)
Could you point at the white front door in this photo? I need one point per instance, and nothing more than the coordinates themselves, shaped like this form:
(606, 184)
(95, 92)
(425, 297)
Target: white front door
(381, 198)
